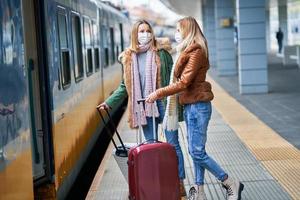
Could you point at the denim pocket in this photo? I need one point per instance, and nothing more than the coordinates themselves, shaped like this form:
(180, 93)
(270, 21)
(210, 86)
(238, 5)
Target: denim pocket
(199, 117)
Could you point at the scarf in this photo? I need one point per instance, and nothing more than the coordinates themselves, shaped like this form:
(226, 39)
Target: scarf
(138, 110)
(170, 122)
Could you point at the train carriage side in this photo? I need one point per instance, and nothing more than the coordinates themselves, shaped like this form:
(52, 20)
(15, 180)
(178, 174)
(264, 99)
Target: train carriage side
(113, 41)
(77, 82)
(15, 151)
(71, 53)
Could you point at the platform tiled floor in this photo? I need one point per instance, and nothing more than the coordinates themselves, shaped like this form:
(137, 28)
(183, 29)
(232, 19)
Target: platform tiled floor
(223, 145)
(280, 108)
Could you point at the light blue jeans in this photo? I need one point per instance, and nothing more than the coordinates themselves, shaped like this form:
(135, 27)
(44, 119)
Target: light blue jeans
(197, 117)
(148, 129)
(172, 138)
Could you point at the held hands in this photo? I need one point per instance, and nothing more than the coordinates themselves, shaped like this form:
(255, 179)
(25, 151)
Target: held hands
(151, 98)
(103, 106)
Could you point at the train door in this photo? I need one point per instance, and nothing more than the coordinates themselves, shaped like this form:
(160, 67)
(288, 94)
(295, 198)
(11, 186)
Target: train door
(38, 91)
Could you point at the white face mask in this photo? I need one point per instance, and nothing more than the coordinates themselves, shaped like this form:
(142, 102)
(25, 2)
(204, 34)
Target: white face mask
(178, 37)
(144, 37)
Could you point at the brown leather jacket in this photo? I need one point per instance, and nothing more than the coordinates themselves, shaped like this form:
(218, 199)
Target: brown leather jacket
(190, 71)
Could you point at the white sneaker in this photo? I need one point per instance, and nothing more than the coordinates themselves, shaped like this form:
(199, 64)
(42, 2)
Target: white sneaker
(197, 193)
(234, 188)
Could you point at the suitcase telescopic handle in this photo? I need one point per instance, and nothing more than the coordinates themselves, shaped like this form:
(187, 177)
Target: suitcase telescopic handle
(120, 151)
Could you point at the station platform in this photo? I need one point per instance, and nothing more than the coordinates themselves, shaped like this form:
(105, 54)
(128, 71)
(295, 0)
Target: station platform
(280, 107)
(240, 142)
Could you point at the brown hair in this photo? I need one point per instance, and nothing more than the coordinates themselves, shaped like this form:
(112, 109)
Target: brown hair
(134, 43)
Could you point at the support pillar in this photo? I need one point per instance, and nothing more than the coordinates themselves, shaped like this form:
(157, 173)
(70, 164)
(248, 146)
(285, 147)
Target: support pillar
(253, 71)
(225, 47)
(209, 29)
(268, 32)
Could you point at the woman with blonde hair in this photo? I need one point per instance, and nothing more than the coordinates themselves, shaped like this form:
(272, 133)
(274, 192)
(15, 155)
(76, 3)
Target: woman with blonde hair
(142, 63)
(146, 68)
(195, 94)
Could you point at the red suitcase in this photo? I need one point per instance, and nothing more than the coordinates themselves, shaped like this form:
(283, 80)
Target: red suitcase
(153, 172)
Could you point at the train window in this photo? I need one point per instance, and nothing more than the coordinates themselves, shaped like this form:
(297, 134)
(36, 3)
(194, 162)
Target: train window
(87, 33)
(95, 33)
(97, 60)
(106, 44)
(77, 48)
(106, 57)
(117, 51)
(112, 44)
(117, 41)
(88, 47)
(66, 69)
(96, 46)
(121, 37)
(64, 50)
(62, 29)
(89, 59)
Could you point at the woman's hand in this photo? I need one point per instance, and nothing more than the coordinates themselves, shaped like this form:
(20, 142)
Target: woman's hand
(151, 98)
(103, 106)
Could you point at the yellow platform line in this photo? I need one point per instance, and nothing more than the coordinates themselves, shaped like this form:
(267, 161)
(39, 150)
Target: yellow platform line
(278, 156)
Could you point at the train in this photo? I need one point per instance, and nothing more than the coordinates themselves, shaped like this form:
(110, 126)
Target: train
(58, 61)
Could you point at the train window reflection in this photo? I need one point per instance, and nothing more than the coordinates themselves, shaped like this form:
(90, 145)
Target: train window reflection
(62, 28)
(88, 47)
(96, 46)
(64, 50)
(117, 40)
(77, 48)
(95, 33)
(87, 33)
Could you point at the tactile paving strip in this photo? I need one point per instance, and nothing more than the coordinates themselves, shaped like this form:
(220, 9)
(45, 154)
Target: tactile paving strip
(287, 172)
(279, 153)
(219, 128)
(227, 149)
(279, 157)
(218, 137)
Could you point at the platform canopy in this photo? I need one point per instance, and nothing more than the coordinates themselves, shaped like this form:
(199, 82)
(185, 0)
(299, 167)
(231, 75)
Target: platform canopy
(191, 7)
(185, 7)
